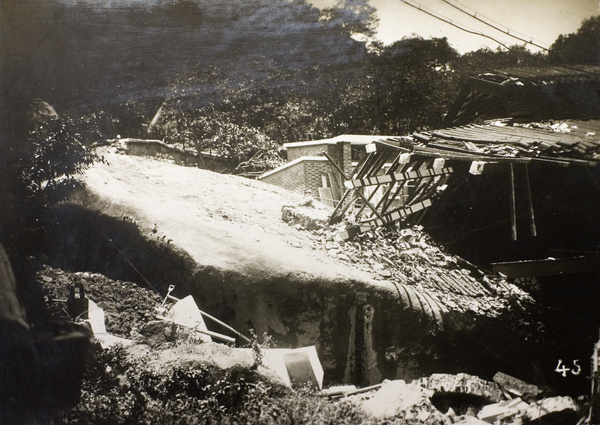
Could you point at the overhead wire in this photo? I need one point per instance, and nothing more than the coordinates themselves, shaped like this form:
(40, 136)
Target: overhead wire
(500, 24)
(110, 241)
(507, 32)
(449, 22)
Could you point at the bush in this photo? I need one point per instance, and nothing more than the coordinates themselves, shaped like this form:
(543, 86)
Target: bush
(120, 389)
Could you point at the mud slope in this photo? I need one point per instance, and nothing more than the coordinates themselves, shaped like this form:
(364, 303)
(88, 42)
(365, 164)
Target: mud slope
(222, 239)
(221, 221)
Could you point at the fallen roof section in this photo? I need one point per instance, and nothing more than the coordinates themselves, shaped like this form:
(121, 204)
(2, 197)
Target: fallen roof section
(529, 94)
(402, 176)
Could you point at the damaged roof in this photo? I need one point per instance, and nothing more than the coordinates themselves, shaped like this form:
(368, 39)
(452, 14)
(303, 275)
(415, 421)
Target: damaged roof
(402, 176)
(563, 143)
(529, 94)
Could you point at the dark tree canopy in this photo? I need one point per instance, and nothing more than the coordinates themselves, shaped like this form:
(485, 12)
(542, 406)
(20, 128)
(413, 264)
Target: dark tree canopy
(582, 47)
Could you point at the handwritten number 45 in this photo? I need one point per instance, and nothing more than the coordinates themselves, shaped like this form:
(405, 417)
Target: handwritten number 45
(560, 368)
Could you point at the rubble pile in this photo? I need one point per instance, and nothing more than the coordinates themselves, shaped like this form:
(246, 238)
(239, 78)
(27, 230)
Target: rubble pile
(439, 398)
(462, 383)
(488, 403)
(407, 256)
(127, 306)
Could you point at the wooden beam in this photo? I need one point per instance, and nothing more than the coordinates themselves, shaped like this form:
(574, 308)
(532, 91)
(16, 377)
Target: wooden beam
(209, 333)
(532, 225)
(398, 177)
(547, 267)
(513, 205)
(398, 214)
(341, 208)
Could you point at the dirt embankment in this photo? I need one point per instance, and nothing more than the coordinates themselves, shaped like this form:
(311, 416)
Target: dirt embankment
(168, 376)
(400, 308)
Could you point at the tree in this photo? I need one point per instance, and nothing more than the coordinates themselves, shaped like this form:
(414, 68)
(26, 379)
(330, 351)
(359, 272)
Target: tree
(407, 87)
(488, 60)
(40, 172)
(354, 16)
(51, 160)
(580, 47)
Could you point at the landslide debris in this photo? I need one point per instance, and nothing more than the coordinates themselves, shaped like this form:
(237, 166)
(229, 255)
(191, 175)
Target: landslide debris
(204, 383)
(127, 306)
(408, 256)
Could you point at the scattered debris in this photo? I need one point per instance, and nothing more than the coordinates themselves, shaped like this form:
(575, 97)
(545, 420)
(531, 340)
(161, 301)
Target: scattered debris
(127, 306)
(563, 408)
(185, 313)
(96, 321)
(299, 367)
(398, 399)
(503, 410)
(462, 383)
(408, 257)
(516, 387)
(309, 215)
(415, 402)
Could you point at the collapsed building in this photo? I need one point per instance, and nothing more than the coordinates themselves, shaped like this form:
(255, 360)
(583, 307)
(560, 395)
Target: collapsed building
(504, 171)
(521, 196)
(511, 184)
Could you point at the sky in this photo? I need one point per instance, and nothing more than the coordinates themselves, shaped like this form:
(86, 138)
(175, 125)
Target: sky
(541, 21)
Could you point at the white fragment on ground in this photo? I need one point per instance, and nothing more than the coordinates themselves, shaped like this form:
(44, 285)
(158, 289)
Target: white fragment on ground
(550, 405)
(505, 409)
(97, 322)
(396, 397)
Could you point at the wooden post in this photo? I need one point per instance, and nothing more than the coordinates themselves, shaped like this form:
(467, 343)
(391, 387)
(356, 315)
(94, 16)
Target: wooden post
(209, 333)
(513, 205)
(593, 414)
(530, 203)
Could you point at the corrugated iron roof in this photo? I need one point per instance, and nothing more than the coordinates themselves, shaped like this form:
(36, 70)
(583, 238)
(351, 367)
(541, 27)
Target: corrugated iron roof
(570, 141)
(532, 74)
(529, 94)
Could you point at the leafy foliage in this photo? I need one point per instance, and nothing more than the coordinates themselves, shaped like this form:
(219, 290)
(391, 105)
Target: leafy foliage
(121, 389)
(52, 157)
(486, 60)
(410, 84)
(396, 89)
(41, 170)
(353, 16)
(581, 47)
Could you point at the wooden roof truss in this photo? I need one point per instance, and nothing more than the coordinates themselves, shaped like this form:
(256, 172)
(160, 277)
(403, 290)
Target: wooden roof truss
(389, 184)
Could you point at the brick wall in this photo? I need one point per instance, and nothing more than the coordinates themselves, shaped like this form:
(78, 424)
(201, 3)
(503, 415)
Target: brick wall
(290, 178)
(302, 177)
(313, 172)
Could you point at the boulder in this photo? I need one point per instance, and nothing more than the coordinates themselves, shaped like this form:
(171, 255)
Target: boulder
(517, 387)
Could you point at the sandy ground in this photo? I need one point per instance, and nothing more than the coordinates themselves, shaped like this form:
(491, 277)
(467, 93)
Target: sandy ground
(224, 221)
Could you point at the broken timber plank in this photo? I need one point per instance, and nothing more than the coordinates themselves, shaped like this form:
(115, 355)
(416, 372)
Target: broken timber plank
(209, 333)
(532, 225)
(398, 214)
(547, 267)
(398, 177)
(513, 205)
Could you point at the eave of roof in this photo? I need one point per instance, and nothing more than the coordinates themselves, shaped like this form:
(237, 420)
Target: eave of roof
(353, 139)
(547, 74)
